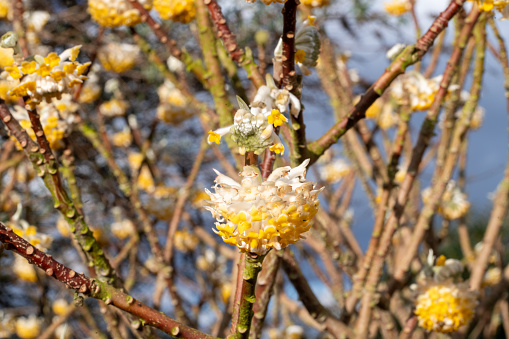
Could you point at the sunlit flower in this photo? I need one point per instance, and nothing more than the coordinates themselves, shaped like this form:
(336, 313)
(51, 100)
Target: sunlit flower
(185, 241)
(226, 292)
(335, 171)
(199, 198)
(397, 7)
(444, 303)
(114, 13)
(122, 227)
(176, 10)
(276, 118)
(24, 270)
(374, 110)
(7, 325)
(36, 20)
(28, 328)
(60, 306)
(63, 227)
(315, 3)
(5, 87)
(114, 108)
(415, 89)
(29, 232)
(258, 215)
(145, 180)
(445, 307)
(488, 5)
(173, 105)
(117, 57)
(45, 78)
(387, 117)
(454, 203)
(122, 138)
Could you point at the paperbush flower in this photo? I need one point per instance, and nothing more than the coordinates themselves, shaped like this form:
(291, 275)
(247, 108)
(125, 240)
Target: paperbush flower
(176, 10)
(315, 3)
(500, 5)
(45, 78)
(307, 44)
(173, 105)
(253, 127)
(114, 13)
(118, 58)
(454, 203)
(258, 215)
(114, 107)
(269, 2)
(28, 328)
(397, 7)
(335, 171)
(444, 303)
(414, 88)
(5, 10)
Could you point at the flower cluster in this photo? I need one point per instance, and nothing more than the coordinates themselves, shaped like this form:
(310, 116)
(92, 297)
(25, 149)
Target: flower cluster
(258, 215)
(253, 128)
(397, 7)
(185, 241)
(118, 58)
(499, 5)
(444, 303)
(45, 78)
(269, 2)
(334, 171)
(173, 105)
(5, 10)
(454, 203)
(315, 3)
(182, 11)
(415, 89)
(114, 13)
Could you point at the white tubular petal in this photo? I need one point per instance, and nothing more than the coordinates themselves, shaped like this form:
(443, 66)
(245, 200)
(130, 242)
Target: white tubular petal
(299, 171)
(295, 105)
(267, 132)
(224, 179)
(223, 130)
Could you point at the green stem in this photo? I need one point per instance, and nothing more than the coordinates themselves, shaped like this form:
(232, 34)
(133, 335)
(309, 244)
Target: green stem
(253, 266)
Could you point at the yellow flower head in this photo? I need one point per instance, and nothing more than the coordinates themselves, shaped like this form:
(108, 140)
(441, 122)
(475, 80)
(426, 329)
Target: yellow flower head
(445, 307)
(118, 58)
(28, 328)
(114, 13)
(176, 10)
(315, 3)
(276, 118)
(300, 55)
(397, 7)
(256, 215)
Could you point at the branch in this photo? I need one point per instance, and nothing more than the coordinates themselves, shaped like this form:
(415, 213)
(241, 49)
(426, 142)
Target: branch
(96, 289)
(408, 57)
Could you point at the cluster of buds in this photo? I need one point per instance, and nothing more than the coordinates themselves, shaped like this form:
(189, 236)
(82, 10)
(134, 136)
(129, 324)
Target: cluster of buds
(413, 88)
(182, 11)
(173, 105)
(499, 5)
(114, 13)
(444, 303)
(397, 7)
(254, 127)
(258, 215)
(117, 57)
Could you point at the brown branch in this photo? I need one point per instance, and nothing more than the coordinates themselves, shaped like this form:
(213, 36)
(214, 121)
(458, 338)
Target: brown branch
(409, 56)
(95, 288)
(228, 38)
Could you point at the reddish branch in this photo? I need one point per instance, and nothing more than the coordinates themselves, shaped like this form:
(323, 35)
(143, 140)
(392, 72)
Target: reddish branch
(228, 38)
(197, 69)
(96, 289)
(411, 55)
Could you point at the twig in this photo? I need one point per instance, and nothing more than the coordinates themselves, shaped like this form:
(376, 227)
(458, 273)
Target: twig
(409, 56)
(244, 59)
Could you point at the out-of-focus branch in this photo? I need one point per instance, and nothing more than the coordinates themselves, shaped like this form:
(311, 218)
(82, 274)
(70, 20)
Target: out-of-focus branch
(244, 59)
(408, 57)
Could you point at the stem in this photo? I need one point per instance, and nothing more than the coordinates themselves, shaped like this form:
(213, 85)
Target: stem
(252, 266)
